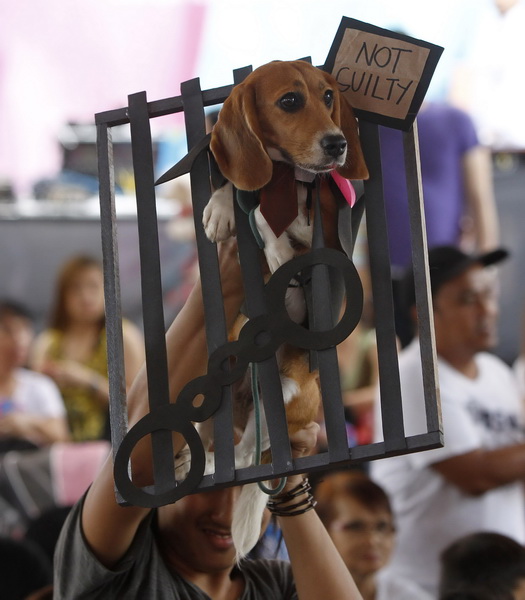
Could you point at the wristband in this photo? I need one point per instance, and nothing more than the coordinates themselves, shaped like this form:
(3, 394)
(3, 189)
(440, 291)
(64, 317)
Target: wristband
(279, 506)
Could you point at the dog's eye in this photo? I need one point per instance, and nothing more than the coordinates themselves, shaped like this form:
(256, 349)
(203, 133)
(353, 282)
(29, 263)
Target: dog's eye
(329, 98)
(291, 102)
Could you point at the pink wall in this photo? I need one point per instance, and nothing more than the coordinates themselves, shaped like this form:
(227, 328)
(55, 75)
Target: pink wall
(62, 61)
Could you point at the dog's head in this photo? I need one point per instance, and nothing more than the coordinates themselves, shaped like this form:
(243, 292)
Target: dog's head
(287, 111)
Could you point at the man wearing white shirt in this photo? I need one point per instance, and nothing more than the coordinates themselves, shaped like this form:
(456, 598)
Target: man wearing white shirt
(475, 482)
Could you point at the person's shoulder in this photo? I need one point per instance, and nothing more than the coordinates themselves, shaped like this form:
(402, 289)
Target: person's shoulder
(396, 587)
(492, 368)
(34, 378)
(487, 360)
(45, 342)
(47, 335)
(268, 576)
(443, 110)
(266, 565)
(456, 119)
(39, 392)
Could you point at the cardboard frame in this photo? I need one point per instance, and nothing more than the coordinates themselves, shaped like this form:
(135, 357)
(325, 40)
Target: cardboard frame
(264, 308)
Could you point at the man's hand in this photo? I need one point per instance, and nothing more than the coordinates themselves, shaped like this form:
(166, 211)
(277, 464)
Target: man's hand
(304, 441)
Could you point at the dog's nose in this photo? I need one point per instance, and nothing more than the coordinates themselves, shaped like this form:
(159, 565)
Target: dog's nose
(333, 145)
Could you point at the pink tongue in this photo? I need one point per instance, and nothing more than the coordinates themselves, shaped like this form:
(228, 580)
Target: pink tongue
(345, 186)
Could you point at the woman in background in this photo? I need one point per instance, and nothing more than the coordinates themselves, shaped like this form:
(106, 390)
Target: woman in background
(357, 514)
(73, 349)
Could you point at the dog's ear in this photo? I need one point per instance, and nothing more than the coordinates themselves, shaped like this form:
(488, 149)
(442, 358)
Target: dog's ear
(236, 141)
(355, 166)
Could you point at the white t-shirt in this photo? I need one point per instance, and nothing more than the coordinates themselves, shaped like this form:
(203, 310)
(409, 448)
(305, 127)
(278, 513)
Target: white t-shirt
(519, 372)
(477, 413)
(494, 61)
(392, 587)
(37, 394)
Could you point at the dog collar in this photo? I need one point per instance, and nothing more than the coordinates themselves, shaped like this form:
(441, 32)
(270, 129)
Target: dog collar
(345, 187)
(303, 175)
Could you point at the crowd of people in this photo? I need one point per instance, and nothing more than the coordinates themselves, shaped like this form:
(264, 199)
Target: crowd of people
(54, 417)
(412, 526)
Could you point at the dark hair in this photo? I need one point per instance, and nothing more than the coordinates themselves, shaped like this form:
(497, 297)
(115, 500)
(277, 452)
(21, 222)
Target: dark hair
(446, 263)
(349, 484)
(12, 308)
(24, 568)
(482, 561)
(475, 594)
(45, 529)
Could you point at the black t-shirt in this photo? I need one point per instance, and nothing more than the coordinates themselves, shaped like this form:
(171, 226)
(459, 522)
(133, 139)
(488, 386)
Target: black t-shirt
(143, 575)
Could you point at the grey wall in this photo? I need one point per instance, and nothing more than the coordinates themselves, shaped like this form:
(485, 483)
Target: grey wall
(33, 249)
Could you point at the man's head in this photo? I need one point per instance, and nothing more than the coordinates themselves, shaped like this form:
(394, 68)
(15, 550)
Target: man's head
(358, 516)
(447, 262)
(195, 532)
(465, 298)
(483, 565)
(16, 334)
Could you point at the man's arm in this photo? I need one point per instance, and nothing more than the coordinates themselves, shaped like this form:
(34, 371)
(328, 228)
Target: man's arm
(481, 470)
(479, 194)
(39, 429)
(318, 569)
(108, 528)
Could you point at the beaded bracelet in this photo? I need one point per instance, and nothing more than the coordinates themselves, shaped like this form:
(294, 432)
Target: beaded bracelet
(275, 504)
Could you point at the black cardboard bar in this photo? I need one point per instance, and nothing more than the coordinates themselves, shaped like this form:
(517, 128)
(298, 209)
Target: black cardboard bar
(216, 333)
(391, 405)
(108, 223)
(151, 284)
(422, 279)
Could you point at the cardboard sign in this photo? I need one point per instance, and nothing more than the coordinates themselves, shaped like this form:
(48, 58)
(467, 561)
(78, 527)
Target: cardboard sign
(384, 75)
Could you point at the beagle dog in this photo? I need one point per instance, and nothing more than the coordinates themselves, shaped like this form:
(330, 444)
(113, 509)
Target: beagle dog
(284, 113)
(286, 118)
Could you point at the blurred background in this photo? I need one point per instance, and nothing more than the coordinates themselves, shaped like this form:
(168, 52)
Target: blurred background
(62, 62)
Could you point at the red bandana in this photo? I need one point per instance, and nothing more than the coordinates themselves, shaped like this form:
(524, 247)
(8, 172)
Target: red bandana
(279, 198)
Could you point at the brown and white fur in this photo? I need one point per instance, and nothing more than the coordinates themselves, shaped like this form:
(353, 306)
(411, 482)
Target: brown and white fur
(291, 112)
(283, 111)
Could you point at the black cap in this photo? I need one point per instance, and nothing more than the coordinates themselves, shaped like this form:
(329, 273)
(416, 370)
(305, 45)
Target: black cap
(446, 263)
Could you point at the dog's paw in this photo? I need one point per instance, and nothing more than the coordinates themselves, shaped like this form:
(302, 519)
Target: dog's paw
(277, 250)
(295, 303)
(210, 463)
(218, 225)
(277, 254)
(218, 217)
(244, 457)
(290, 389)
(182, 463)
